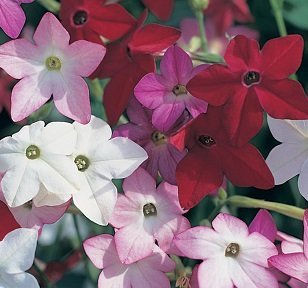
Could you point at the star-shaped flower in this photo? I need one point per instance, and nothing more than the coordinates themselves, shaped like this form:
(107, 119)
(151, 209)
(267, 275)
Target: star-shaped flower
(253, 81)
(50, 66)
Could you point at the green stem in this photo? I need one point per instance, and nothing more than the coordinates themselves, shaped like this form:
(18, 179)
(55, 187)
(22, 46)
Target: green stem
(42, 275)
(247, 202)
(200, 19)
(207, 58)
(216, 210)
(51, 5)
(277, 6)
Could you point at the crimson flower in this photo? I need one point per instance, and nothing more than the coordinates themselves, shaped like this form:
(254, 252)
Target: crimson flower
(160, 8)
(211, 156)
(8, 222)
(224, 12)
(128, 60)
(251, 81)
(94, 21)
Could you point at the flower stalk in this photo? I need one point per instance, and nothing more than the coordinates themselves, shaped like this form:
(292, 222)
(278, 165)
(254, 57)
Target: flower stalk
(51, 5)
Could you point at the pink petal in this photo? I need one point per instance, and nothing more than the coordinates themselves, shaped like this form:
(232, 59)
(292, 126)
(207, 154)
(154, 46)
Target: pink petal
(306, 234)
(195, 106)
(114, 276)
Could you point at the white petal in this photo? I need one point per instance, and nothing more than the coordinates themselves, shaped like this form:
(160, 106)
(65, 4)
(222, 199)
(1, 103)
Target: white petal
(303, 180)
(20, 280)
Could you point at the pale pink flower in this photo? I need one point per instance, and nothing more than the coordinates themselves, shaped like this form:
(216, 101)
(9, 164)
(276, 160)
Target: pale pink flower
(148, 272)
(294, 260)
(231, 255)
(12, 17)
(145, 214)
(166, 93)
(50, 66)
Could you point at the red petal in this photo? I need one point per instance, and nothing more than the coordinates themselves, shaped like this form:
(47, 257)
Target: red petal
(283, 99)
(282, 56)
(243, 54)
(160, 8)
(241, 11)
(8, 222)
(197, 175)
(215, 84)
(153, 38)
(246, 167)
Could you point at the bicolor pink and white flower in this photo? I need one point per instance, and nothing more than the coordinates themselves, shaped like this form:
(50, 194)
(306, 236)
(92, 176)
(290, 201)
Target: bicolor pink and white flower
(290, 158)
(17, 251)
(50, 66)
(12, 17)
(166, 93)
(232, 256)
(148, 272)
(145, 214)
(38, 155)
(100, 159)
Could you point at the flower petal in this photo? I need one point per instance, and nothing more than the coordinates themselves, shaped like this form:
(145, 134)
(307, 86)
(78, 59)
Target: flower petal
(18, 280)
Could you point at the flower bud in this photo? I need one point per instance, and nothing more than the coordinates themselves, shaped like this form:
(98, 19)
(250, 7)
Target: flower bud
(199, 4)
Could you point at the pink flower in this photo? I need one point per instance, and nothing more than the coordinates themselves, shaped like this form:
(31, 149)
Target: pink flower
(163, 156)
(145, 214)
(166, 94)
(148, 272)
(50, 66)
(295, 261)
(231, 255)
(12, 17)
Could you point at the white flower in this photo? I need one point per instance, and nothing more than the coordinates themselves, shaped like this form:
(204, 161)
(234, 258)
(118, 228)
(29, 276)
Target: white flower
(35, 156)
(291, 157)
(100, 159)
(17, 251)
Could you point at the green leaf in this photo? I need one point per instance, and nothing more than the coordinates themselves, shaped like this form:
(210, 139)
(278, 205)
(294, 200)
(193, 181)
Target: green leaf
(296, 12)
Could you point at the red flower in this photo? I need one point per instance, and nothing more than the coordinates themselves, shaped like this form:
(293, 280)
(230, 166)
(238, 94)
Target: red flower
(128, 60)
(254, 81)
(8, 222)
(211, 156)
(93, 21)
(160, 8)
(224, 12)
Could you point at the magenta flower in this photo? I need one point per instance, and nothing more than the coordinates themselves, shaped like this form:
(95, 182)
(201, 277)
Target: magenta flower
(12, 17)
(148, 272)
(50, 66)
(145, 214)
(163, 156)
(231, 255)
(166, 94)
(294, 262)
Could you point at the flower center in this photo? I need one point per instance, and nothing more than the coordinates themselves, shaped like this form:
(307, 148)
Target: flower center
(179, 90)
(149, 209)
(82, 163)
(28, 204)
(251, 77)
(159, 138)
(53, 63)
(206, 140)
(33, 152)
(80, 17)
(232, 250)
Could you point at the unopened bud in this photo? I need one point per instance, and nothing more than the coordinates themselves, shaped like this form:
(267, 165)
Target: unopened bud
(199, 5)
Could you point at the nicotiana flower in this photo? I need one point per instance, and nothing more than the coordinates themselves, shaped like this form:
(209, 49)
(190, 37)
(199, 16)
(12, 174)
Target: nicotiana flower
(148, 272)
(163, 156)
(100, 159)
(294, 262)
(254, 81)
(12, 17)
(232, 256)
(290, 158)
(50, 66)
(17, 251)
(145, 214)
(166, 93)
(38, 155)
(8, 222)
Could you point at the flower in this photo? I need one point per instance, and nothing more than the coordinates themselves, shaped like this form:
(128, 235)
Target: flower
(35, 156)
(148, 272)
(211, 156)
(50, 66)
(94, 21)
(291, 157)
(294, 263)
(100, 159)
(224, 12)
(17, 251)
(128, 60)
(8, 221)
(12, 17)
(254, 81)
(6, 83)
(163, 156)
(145, 214)
(166, 94)
(232, 256)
